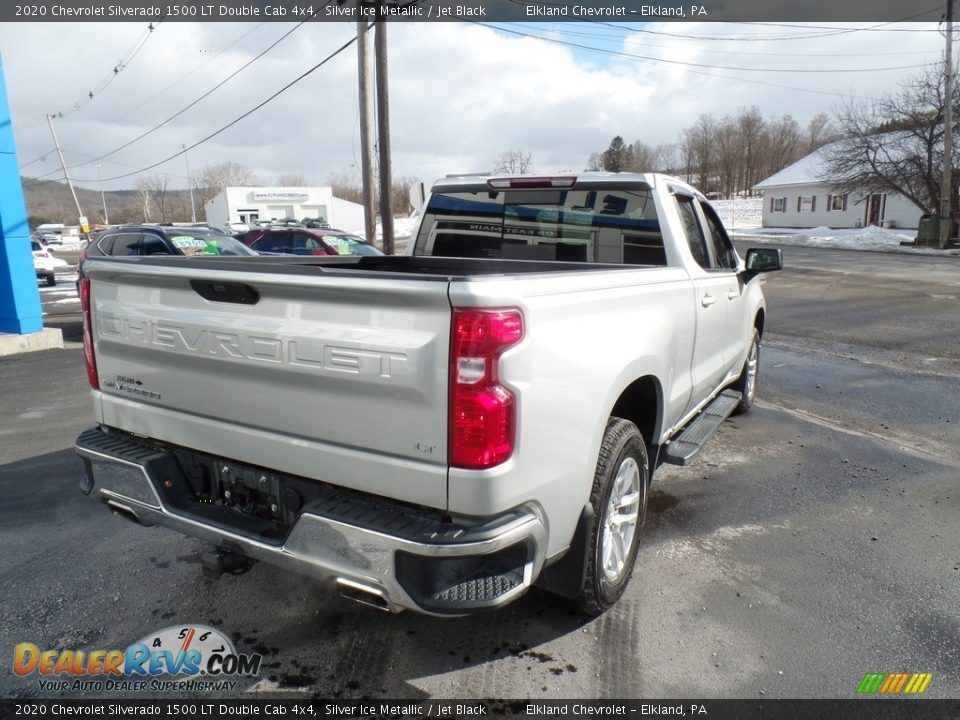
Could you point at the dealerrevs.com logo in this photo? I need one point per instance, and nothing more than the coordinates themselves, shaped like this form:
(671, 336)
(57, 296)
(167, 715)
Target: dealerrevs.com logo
(191, 657)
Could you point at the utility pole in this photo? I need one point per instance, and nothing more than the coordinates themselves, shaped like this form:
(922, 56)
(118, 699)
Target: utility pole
(366, 129)
(383, 132)
(103, 198)
(946, 187)
(193, 208)
(63, 165)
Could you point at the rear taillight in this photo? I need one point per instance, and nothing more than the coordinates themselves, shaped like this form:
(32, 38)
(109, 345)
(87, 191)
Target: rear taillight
(91, 359)
(482, 411)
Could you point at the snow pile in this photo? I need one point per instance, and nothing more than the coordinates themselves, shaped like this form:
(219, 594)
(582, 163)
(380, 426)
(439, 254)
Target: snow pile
(68, 246)
(739, 213)
(402, 230)
(866, 238)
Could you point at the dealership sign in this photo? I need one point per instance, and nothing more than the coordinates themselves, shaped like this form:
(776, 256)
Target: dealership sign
(280, 195)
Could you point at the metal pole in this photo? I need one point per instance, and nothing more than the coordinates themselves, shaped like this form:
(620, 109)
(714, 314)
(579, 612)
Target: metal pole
(193, 208)
(383, 134)
(103, 198)
(366, 130)
(946, 187)
(63, 165)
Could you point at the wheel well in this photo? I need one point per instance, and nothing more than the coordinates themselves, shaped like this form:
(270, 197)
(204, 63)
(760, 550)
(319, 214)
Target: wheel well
(758, 321)
(640, 404)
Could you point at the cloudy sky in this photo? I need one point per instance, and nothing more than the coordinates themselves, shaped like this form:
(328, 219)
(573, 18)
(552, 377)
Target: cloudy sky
(460, 94)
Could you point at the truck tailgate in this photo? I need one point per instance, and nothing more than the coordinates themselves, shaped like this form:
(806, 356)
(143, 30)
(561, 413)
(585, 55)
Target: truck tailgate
(333, 377)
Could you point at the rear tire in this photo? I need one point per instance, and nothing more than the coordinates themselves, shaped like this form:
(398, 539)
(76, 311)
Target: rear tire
(619, 500)
(747, 384)
(51, 279)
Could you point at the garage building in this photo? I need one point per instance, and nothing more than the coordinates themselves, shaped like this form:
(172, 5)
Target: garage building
(251, 204)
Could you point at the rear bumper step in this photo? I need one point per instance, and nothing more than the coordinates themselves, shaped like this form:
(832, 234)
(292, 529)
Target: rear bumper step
(682, 449)
(395, 557)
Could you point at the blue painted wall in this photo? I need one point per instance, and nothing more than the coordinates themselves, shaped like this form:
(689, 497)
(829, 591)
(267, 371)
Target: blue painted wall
(20, 310)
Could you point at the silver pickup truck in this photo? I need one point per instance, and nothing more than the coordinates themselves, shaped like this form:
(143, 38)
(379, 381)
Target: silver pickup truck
(438, 431)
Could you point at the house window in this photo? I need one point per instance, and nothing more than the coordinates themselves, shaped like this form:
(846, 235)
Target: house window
(778, 205)
(807, 203)
(837, 202)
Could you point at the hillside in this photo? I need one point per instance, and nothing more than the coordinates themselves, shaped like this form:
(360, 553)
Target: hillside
(49, 201)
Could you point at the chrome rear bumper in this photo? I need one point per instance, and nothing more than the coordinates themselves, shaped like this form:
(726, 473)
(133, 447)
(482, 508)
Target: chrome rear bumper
(390, 556)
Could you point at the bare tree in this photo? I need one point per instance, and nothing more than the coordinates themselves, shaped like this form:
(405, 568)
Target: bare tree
(895, 144)
(595, 161)
(641, 157)
(345, 184)
(782, 144)
(400, 194)
(512, 162)
(293, 180)
(212, 179)
(145, 189)
(701, 140)
(750, 123)
(820, 131)
(155, 188)
(729, 155)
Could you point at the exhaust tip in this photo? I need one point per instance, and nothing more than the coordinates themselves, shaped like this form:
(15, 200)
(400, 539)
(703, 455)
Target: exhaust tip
(363, 594)
(125, 512)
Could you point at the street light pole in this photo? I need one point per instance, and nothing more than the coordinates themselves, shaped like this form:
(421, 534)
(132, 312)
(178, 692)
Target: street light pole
(193, 208)
(103, 198)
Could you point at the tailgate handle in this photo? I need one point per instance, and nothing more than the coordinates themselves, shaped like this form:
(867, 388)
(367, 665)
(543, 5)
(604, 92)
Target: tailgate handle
(230, 292)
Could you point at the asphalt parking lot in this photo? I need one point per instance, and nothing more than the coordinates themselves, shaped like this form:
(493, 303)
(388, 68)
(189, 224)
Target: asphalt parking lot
(813, 541)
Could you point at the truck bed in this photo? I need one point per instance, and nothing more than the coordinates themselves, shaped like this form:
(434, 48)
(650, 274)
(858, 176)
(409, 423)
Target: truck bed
(442, 268)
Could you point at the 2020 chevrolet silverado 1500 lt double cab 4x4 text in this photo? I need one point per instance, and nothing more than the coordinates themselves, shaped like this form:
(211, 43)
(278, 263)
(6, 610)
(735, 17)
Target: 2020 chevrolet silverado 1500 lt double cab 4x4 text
(437, 431)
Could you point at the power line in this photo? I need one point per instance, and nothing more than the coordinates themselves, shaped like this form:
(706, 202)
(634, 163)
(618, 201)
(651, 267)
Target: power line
(121, 65)
(137, 107)
(710, 66)
(192, 104)
(174, 83)
(238, 119)
(566, 31)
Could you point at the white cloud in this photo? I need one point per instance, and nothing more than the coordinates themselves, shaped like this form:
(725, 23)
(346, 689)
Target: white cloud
(460, 94)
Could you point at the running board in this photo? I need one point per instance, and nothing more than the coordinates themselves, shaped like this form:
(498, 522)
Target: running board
(682, 449)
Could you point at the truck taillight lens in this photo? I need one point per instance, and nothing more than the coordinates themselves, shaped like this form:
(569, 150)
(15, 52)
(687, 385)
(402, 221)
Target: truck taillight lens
(482, 411)
(91, 359)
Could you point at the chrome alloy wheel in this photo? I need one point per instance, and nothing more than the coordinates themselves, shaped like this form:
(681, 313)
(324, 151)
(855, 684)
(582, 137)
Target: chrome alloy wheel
(620, 519)
(750, 386)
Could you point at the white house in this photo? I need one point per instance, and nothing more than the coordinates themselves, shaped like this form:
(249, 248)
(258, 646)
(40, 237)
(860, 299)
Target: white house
(799, 197)
(249, 204)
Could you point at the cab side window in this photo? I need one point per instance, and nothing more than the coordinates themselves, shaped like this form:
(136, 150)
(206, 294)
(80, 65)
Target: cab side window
(725, 257)
(693, 231)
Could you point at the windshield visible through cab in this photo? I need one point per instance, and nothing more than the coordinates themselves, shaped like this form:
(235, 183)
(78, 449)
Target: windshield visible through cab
(603, 226)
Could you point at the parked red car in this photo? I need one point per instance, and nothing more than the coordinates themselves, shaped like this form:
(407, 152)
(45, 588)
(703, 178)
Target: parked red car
(306, 241)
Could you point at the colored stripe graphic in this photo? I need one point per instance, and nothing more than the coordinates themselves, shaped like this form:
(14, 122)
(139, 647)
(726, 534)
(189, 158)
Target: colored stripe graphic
(919, 682)
(894, 683)
(870, 683)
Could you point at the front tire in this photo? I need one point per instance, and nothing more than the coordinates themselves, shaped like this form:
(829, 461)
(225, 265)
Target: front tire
(51, 279)
(746, 385)
(619, 500)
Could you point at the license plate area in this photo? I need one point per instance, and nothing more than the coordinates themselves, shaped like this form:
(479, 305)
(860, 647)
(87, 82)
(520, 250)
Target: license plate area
(247, 490)
(244, 498)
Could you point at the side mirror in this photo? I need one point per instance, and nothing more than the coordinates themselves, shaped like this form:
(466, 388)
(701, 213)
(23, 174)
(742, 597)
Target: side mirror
(760, 260)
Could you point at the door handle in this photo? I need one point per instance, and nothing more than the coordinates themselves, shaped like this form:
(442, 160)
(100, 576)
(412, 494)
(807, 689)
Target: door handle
(707, 300)
(732, 294)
